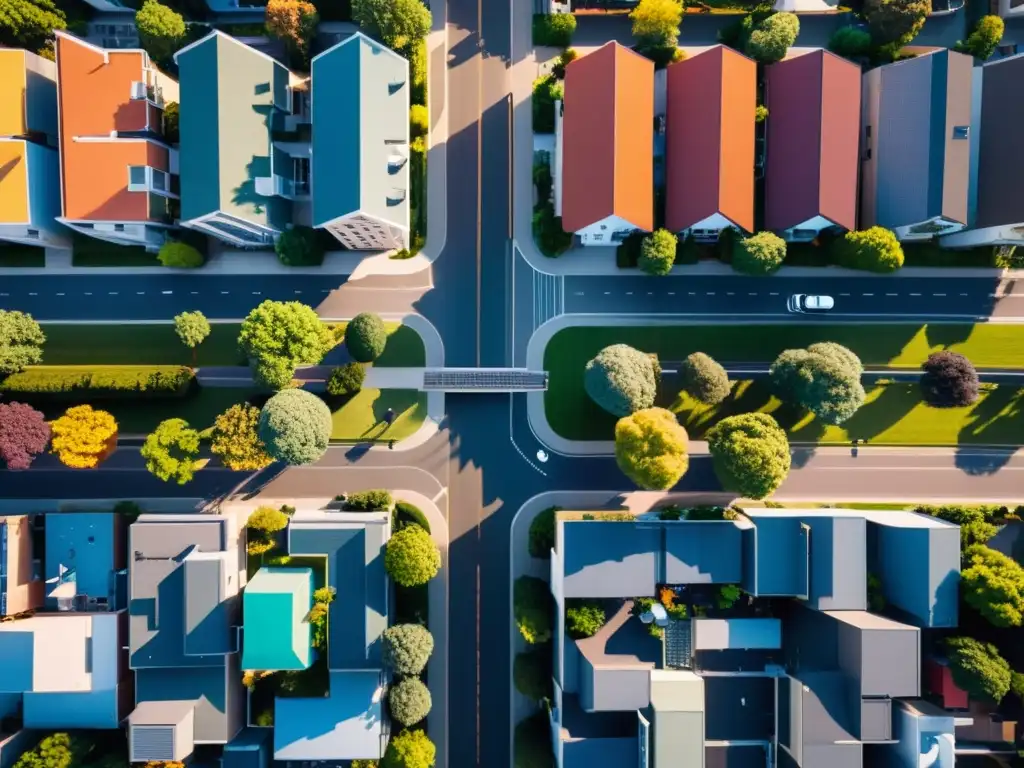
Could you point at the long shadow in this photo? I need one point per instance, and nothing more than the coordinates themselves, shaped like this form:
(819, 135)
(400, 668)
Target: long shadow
(999, 417)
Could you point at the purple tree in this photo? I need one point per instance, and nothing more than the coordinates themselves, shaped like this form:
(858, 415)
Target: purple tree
(24, 434)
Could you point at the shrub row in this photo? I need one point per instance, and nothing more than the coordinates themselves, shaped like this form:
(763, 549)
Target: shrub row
(74, 382)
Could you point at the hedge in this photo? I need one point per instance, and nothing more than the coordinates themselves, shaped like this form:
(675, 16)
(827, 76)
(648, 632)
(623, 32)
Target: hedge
(74, 382)
(408, 514)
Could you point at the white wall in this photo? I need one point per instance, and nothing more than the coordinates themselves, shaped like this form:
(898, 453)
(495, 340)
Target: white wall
(816, 224)
(556, 161)
(715, 221)
(602, 232)
(1011, 234)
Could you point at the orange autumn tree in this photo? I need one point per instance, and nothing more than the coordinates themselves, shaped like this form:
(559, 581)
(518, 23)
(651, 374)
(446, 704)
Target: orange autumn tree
(83, 437)
(294, 22)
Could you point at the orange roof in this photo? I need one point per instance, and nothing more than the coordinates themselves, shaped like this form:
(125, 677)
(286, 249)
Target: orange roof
(608, 139)
(95, 107)
(709, 141)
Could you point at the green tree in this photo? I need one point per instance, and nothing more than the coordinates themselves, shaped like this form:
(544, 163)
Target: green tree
(978, 669)
(172, 450)
(235, 439)
(409, 701)
(533, 742)
(366, 337)
(565, 58)
(407, 648)
(58, 750)
(895, 23)
(727, 596)
(760, 254)
(1017, 684)
(772, 37)
(542, 533)
(295, 427)
(346, 379)
(192, 328)
(29, 23)
(650, 448)
(993, 584)
(419, 120)
(875, 249)
(531, 672)
(299, 247)
(704, 379)
(161, 30)
(750, 454)
(278, 336)
(974, 521)
(533, 607)
(411, 557)
(409, 749)
(656, 23)
(658, 252)
(984, 38)
(851, 42)
(21, 342)
(171, 115)
(179, 255)
(554, 29)
(318, 626)
(621, 379)
(583, 618)
(262, 528)
(293, 22)
(397, 23)
(824, 379)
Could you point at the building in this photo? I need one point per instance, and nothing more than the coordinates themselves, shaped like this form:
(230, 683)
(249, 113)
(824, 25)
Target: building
(604, 146)
(119, 176)
(21, 567)
(361, 155)
(85, 562)
(811, 145)
(275, 605)
(241, 175)
(915, 145)
(709, 143)
(29, 162)
(185, 575)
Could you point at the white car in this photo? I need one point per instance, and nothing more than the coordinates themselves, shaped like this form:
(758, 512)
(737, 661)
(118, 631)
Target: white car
(802, 302)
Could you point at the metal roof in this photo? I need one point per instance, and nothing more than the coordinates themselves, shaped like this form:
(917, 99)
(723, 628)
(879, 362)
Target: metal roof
(1000, 162)
(275, 606)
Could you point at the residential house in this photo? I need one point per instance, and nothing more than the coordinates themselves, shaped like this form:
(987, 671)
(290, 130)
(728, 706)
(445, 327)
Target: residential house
(797, 672)
(811, 145)
(361, 154)
(709, 143)
(85, 562)
(21, 571)
(185, 575)
(915, 145)
(604, 146)
(118, 174)
(275, 605)
(29, 163)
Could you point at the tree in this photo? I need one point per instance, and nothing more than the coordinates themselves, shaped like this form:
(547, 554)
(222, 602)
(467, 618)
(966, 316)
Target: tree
(171, 115)
(656, 23)
(895, 23)
(24, 434)
(704, 379)
(235, 439)
(949, 380)
(824, 379)
(993, 584)
(531, 673)
(532, 742)
(180, 255)
(171, 451)
(295, 427)
(984, 39)
(262, 528)
(851, 42)
(21, 342)
(533, 607)
(55, 751)
(318, 625)
(407, 648)
(365, 337)
(192, 328)
(583, 618)
(760, 113)
(875, 249)
(771, 38)
(542, 533)
(161, 30)
(299, 247)
(978, 669)
(346, 379)
(294, 22)
(411, 557)
(565, 58)
(82, 437)
(29, 23)
(397, 23)
(278, 336)
(658, 252)
(650, 448)
(1017, 684)
(555, 29)
(363, 764)
(973, 520)
(409, 701)
(621, 379)
(750, 454)
(419, 120)
(409, 749)
(760, 254)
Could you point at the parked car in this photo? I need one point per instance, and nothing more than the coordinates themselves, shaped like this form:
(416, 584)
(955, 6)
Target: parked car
(802, 302)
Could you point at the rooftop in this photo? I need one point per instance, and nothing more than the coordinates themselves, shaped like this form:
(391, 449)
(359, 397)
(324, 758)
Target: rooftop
(82, 554)
(276, 604)
(1000, 164)
(14, 180)
(28, 93)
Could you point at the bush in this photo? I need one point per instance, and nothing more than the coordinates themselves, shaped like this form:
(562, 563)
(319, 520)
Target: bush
(161, 30)
(760, 113)
(875, 250)
(656, 24)
(130, 510)
(750, 454)
(542, 176)
(278, 336)
(760, 254)
(658, 252)
(105, 382)
(346, 379)
(851, 42)
(704, 379)
(24, 434)
(542, 533)
(409, 701)
(567, 57)
(553, 29)
(21, 342)
(621, 380)
(771, 38)
(411, 557)
(299, 247)
(551, 239)
(171, 114)
(180, 255)
(82, 437)
(824, 379)
(171, 451)
(58, 750)
(978, 669)
(235, 439)
(262, 528)
(369, 501)
(546, 91)
(406, 514)
(984, 38)
(583, 618)
(407, 648)
(295, 427)
(662, 56)
(531, 673)
(409, 749)
(650, 448)
(419, 120)
(949, 380)
(974, 521)
(993, 584)
(533, 607)
(366, 337)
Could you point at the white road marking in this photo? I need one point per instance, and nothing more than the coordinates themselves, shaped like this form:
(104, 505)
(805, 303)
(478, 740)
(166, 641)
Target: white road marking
(88, 293)
(112, 293)
(5, 294)
(867, 294)
(650, 293)
(938, 294)
(711, 293)
(607, 293)
(844, 294)
(32, 294)
(774, 293)
(729, 293)
(892, 294)
(671, 293)
(752, 293)
(325, 291)
(60, 294)
(298, 291)
(963, 294)
(629, 293)
(166, 293)
(691, 293)
(140, 293)
(577, 293)
(224, 293)
(255, 293)
(194, 293)
(915, 294)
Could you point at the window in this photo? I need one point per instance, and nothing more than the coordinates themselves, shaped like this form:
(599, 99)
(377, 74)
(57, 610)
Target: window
(136, 178)
(300, 172)
(867, 131)
(159, 180)
(119, 227)
(142, 178)
(961, 132)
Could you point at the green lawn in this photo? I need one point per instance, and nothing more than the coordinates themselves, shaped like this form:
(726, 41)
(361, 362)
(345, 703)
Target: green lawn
(12, 255)
(359, 419)
(93, 252)
(404, 347)
(136, 344)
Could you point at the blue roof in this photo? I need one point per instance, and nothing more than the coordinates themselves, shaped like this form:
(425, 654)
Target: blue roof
(780, 553)
(602, 558)
(83, 543)
(703, 552)
(275, 609)
(249, 749)
(16, 657)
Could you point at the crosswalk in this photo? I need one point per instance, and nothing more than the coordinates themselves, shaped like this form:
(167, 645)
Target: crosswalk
(548, 297)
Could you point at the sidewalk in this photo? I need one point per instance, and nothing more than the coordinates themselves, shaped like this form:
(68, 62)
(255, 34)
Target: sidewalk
(317, 375)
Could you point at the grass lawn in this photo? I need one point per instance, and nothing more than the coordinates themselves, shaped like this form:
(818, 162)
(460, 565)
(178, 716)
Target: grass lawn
(12, 255)
(136, 344)
(359, 419)
(93, 252)
(404, 348)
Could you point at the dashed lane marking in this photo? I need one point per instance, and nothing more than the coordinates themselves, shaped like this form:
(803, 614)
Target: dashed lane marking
(166, 293)
(892, 294)
(915, 294)
(938, 294)
(867, 294)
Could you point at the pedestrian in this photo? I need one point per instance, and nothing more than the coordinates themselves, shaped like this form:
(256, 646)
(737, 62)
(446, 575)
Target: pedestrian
(391, 445)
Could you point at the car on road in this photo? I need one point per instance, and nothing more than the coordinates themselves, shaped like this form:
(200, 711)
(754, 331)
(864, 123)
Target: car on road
(802, 302)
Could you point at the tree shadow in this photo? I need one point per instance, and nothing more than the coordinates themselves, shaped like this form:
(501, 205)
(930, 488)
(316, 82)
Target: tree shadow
(947, 334)
(997, 418)
(882, 411)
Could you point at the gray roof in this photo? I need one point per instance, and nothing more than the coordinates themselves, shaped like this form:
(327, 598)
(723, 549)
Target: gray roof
(215, 692)
(882, 655)
(735, 756)
(161, 712)
(1000, 161)
(813, 709)
(702, 552)
(739, 708)
(360, 104)
(920, 163)
(613, 671)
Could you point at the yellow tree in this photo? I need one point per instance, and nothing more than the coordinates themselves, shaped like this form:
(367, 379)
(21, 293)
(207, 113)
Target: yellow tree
(656, 23)
(83, 437)
(294, 22)
(235, 440)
